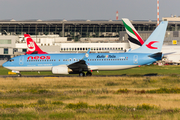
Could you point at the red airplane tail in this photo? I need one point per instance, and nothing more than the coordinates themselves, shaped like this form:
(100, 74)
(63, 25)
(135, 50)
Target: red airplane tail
(32, 46)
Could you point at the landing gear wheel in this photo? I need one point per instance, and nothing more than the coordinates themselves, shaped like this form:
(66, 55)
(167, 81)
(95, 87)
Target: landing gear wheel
(81, 74)
(88, 73)
(19, 75)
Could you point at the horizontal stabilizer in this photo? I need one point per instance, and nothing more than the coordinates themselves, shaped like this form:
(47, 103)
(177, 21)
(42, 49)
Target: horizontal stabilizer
(156, 55)
(169, 53)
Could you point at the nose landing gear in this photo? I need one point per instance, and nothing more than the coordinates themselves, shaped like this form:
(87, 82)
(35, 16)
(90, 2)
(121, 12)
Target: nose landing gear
(19, 75)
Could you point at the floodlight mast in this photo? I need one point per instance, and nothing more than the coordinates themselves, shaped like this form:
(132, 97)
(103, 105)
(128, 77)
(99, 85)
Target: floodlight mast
(157, 12)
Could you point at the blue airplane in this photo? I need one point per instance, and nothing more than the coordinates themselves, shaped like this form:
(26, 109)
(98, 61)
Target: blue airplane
(78, 63)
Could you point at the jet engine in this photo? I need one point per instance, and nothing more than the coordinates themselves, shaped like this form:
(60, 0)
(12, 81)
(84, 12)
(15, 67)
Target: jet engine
(61, 70)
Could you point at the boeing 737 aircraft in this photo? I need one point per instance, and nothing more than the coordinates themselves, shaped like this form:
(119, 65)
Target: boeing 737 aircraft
(86, 62)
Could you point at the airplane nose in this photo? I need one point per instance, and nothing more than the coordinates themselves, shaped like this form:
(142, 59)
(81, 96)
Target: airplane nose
(4, 64)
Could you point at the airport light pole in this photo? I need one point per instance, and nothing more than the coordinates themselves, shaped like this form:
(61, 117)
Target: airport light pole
(117, 15)
(157, 12)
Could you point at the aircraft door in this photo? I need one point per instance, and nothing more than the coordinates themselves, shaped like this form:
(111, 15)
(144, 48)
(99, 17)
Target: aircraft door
(70, 60)
(135, 59)
(21, 60)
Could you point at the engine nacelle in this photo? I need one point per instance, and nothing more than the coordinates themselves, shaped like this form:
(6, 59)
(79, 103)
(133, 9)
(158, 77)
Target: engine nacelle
(60, 70)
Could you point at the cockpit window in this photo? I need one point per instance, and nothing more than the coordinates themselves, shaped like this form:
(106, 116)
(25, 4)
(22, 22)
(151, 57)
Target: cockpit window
(11, 60)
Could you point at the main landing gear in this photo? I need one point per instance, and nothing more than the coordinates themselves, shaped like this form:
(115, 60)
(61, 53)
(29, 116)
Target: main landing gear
(82, 74)
(88, 73)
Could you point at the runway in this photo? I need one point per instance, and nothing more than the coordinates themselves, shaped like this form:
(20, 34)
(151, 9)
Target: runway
(36, 76)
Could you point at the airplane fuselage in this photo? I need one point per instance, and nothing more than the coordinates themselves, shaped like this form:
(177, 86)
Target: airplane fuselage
(95, 61)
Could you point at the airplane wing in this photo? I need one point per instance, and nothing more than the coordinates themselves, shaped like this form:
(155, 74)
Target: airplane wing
(80, 65)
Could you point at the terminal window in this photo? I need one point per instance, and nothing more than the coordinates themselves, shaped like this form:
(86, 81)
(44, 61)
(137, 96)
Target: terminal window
(24, 50)
(5, 50)
(5, 41)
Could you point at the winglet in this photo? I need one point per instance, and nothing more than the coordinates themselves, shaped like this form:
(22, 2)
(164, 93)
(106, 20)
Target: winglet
(88, 50)
(129, 49)
(86, 55)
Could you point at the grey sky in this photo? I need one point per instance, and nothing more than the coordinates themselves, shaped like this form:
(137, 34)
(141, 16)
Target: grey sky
(86, 9)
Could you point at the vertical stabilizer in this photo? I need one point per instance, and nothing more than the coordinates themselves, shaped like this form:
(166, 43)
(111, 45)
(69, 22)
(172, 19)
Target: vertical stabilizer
(32, 46)
(155, 41)
(135, 40)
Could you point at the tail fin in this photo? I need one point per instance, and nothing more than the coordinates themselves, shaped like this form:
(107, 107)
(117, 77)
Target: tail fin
(32, 46)
(155, 41)
(135, 39)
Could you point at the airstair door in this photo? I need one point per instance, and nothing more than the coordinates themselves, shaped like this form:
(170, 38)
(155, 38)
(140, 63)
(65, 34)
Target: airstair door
(21, 60)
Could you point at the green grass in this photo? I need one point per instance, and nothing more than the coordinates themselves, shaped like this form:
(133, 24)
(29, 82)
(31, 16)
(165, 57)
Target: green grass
(132, 97)
(64, 115)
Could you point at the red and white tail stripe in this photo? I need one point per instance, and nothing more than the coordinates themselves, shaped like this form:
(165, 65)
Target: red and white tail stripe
(32, 46)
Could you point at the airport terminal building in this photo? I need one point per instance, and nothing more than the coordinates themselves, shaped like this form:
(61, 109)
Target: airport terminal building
(78, 35)
(77, 29)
